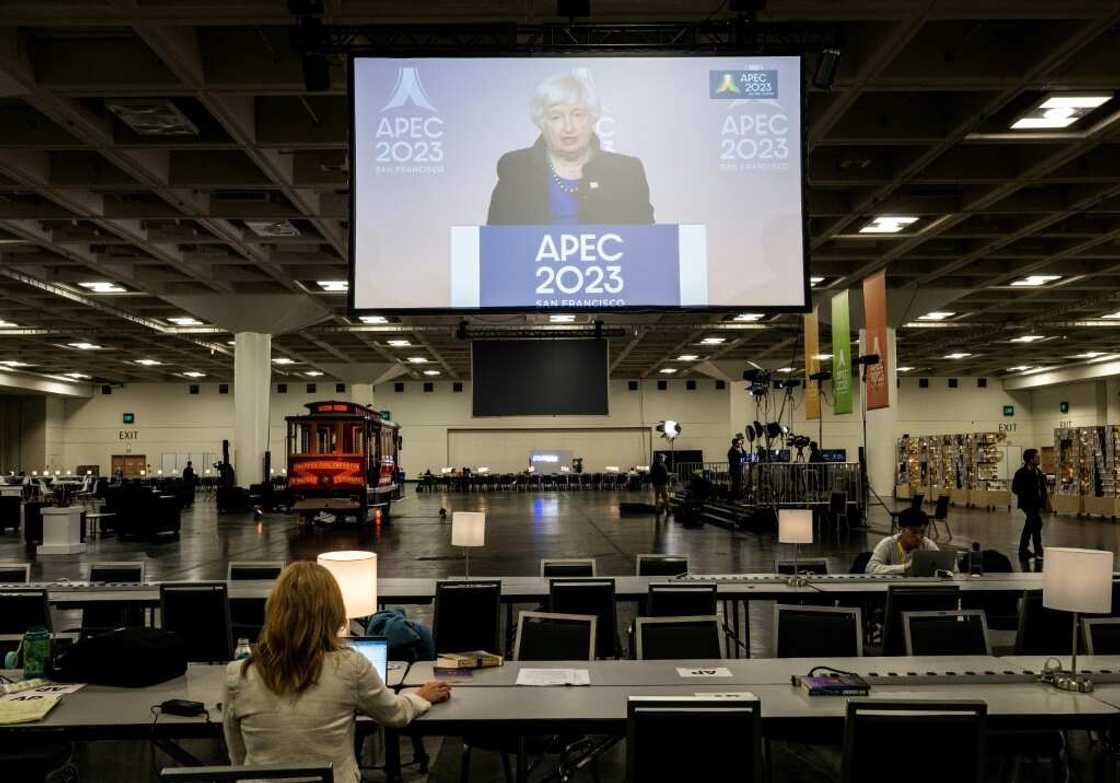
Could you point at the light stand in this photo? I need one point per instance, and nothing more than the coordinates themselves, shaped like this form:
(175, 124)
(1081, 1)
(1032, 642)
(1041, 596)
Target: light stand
(820, 378)
(865, 362)
(1076, 581)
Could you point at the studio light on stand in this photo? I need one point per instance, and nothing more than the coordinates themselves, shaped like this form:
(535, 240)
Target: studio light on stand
(468, 530)
(669, 430)
(356, 574)
(1076, 580)
(795, 526)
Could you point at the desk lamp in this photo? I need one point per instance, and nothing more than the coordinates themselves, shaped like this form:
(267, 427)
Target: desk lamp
(1076, 580)
(468, 529)
(795, 526)
(356, 574)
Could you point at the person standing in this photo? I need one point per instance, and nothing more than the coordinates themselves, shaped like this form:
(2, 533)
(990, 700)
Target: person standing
(659, 477)
(736, 457)
(190, 479)
(1029, 485)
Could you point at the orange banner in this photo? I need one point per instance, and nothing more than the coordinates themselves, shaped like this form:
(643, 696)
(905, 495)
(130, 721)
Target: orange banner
(812, 365)
(875, 326)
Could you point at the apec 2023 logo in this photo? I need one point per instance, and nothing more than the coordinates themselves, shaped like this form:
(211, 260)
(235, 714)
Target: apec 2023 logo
(737, 85)
(754, 133)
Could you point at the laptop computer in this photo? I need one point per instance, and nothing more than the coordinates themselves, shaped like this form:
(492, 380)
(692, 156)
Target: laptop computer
(376, 651)
(928, 562)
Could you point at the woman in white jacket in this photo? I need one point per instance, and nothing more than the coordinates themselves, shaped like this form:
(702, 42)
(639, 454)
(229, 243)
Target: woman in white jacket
(295, 699)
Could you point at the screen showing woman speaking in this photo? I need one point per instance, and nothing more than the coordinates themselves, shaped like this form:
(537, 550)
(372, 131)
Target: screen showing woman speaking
(567, 183)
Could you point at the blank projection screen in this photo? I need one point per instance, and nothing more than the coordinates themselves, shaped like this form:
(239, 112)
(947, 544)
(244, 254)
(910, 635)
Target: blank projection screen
(595, 183)
(540, 377)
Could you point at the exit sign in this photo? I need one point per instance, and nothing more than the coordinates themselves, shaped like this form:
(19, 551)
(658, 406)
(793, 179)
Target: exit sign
(386, 415)
(129, 418)
(1008, 410)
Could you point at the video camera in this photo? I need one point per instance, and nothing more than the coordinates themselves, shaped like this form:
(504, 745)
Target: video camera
(759, 380)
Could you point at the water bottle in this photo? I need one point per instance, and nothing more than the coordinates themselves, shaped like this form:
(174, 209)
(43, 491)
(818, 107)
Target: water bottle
(36, 652)
(243, 650)
(976, 560)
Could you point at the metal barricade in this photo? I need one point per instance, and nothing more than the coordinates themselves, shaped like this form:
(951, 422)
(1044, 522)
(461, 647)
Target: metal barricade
(801, 483)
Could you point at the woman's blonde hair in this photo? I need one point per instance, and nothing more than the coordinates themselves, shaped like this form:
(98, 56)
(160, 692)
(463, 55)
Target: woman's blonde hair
(303, 617)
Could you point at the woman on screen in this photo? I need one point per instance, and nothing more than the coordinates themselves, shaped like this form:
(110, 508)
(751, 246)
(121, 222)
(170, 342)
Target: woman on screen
(565, 178)
(294, 700)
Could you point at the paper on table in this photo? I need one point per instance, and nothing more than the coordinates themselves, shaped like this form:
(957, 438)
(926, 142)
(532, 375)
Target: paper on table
(714, 671)
(39, 691)
(553, 677)
(728, 695)
(21, 708)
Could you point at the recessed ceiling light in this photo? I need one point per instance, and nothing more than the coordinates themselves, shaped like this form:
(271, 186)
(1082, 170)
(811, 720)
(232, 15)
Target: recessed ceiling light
(373, 319)
(820, 357)
(888, 224)
(398, 343)
(1060, 110)
(936, 315)
(85, 346)
(78, 376)
(687, 357)
(785, 369)
(713, 341)
(14, 363)
(562, 319)
(231, 342)
(668, 370)
(417, 360)
(1036, 280)
(1028, 338)
(149, 362)
(103, 287)
(8, 325)
(283, 360)
(431, 372)
(313, 373)
(334, 286)
(959, 355)
(904, 369)
(749, 317)
(185, 320)
(815, 281)
(1087, 355)
(195, 374)
(1020, 368)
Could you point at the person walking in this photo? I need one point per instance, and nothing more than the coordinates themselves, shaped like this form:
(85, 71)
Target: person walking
(1029, 485)
(190, 480)
(659, 478)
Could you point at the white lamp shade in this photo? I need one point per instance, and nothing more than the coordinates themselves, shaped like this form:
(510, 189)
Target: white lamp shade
(356, 574)
(1077, 580)
(795, 526)
(468, 528)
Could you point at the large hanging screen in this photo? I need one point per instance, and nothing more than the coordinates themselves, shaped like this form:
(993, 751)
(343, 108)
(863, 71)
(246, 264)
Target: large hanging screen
(577, 183)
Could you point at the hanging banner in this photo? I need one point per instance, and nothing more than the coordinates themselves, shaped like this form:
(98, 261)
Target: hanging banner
(841, 355)
(812, 365)
(875, 337)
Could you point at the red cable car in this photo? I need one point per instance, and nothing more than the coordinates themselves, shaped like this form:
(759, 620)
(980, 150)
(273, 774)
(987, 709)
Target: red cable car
(342, 460)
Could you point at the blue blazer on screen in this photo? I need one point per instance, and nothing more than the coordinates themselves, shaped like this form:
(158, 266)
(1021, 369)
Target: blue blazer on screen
(613, 189)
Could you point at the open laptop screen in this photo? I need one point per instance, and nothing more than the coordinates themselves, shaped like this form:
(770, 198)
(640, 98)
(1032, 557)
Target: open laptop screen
(376, 651)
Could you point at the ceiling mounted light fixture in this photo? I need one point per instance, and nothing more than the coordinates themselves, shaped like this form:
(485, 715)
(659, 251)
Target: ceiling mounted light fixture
(936, 315)
(1020, 368)
(373, 319)
(667, 370)
(713, 341)
(313, 374)
(814, 281)
(431, 372)
(8, 325)
(14, 363)
(417, 360)
(195, 374)
(283, 360)
(77, 376)
(103, 287)
(1033, 281)
(398, 343)
(184, 320)
(334, 286)
(958, 355)
(888, 224)
(84, 346)
(688, 357)
(149, 362)
(562, 319)
(1060, 110)
(1087, 355)
(903, 369)
(1028, 338)
(749, 317)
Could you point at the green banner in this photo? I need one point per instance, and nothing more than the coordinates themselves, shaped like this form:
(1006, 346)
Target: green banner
(841, 355)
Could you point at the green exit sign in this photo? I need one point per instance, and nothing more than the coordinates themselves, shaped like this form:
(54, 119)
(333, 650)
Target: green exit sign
(1008, 410)
(129, 418)
(386, 415)
(1063, 407)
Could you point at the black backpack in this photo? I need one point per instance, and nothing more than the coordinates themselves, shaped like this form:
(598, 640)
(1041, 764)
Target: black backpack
(126, 657)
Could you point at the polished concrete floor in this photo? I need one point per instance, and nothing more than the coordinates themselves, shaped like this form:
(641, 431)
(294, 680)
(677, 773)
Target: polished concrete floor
(521, 529)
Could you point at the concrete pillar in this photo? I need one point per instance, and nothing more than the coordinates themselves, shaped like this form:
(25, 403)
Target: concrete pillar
(252, 383)
(882, 424)
(362, 393)
(1112, 386)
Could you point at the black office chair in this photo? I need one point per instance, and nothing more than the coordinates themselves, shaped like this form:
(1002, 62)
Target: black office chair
(859, 564)
(946, 633)
(557, 567)
(901, 598)
(680, 600)
(543, 636)
(589, 596)
(655, 726)
(1000, 608)
(21, 609)
(247, 614)
(1102, 635)
(15, 573)
(318, 773)
(838, 508)
(941, 514)
(879, 737)
(817, 567)
(669, 638)
(199, 613)
(467, 616)
(662, 565)
(1042, 631)
(817, 632)
(101, 618)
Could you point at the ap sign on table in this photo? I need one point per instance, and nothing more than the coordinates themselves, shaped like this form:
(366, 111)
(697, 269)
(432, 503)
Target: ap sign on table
(577, 183)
